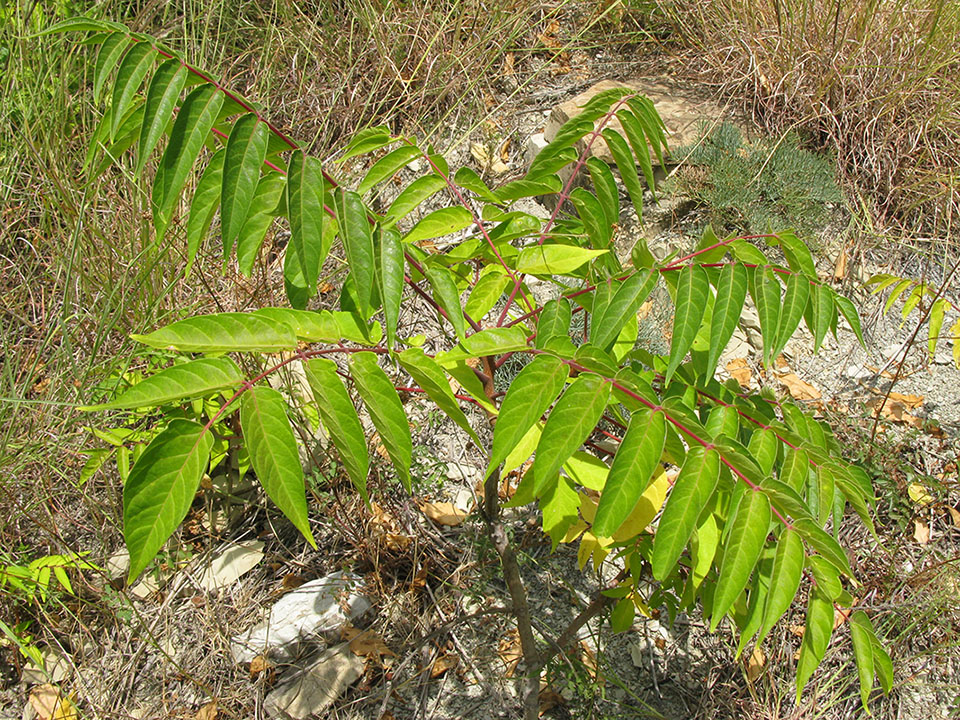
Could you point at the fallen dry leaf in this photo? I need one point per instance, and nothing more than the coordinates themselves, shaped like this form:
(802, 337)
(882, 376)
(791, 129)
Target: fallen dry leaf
(549, 699)
(842, 615)
(589, 660)
(260, 664)
(894, 411)
(366, 643)
(444, 513)
(442, 664)
(798, 389)
(921, 532)
(508, 62)
(644, 312)
(483, 157)
(755, 664)
(207, 712)
(911, 401)
(739, 370)
(954, 515)
(49, 704)
(840, 267)
(510, 652)
(384, 528)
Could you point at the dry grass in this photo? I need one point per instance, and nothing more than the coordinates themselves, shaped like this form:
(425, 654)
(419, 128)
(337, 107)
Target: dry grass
(874, 81)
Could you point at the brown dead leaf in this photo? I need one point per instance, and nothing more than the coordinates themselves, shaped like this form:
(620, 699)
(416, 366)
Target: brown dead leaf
(444, 513)
(260, 664)
(589, 660)
(549, 699)
(954, 515)
(510, 652)
(781, 363)
(910, 401)
(442, 664)
(207, 712)
(798, 389)
(840, 266)
(894, 411)
(366, 643)
(755, 664)
(796, 630)
(49, 704)
(842, 615)
(921, 532)
(739, 370)
(326, 287)
(384, 528)
(505, 150)
(508, 64)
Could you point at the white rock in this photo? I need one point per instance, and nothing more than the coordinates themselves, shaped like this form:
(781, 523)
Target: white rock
(319, 607)
(117, 564)
(232, 564)
(535, 143)
(313, 689)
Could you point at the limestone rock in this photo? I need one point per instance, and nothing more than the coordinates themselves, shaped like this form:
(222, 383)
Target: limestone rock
(317, 608)
(311, 690)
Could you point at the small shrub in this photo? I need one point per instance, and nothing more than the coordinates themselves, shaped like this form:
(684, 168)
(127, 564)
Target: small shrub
(746, 488)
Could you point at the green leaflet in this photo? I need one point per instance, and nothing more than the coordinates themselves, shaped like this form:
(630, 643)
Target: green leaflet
(818, 313)
(340, 418)
(742, 550)
(554, 259)
(492, 341)
(411, 197)
(109, 55)
(795, 468)
(767, 300)
(821, 541)
(466, 178)
(748, 623)
(81, 24)
(731, 294)
(358, 243)
(222, 332)
(390, 278)
(559, 505)
(794, 303)
(193, 379)
(593, 216)
(785, 581)
(861, 634)
(570, 423)
(260, 215)
(627, 167)
(527, 399)
(439, 223)
(274, 455)
(489, 288)
(693, 294)
(606, 325)
(554, 321)
(367, 140)
(548, 161)
(634, 464)
(164, 92)
(431, 378)
(692, 490)
(246, 150)
(764, 447)
(447, 295)
(206, 199)
(387, 166)
(386, 411)
(308, 222)
(548, 184)
(160, 488)
(605, 188)
(798, 255)
(634, 132)
(816, 637)
(133, 69)
(850, 314)
(936, 322)
(190, 130)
